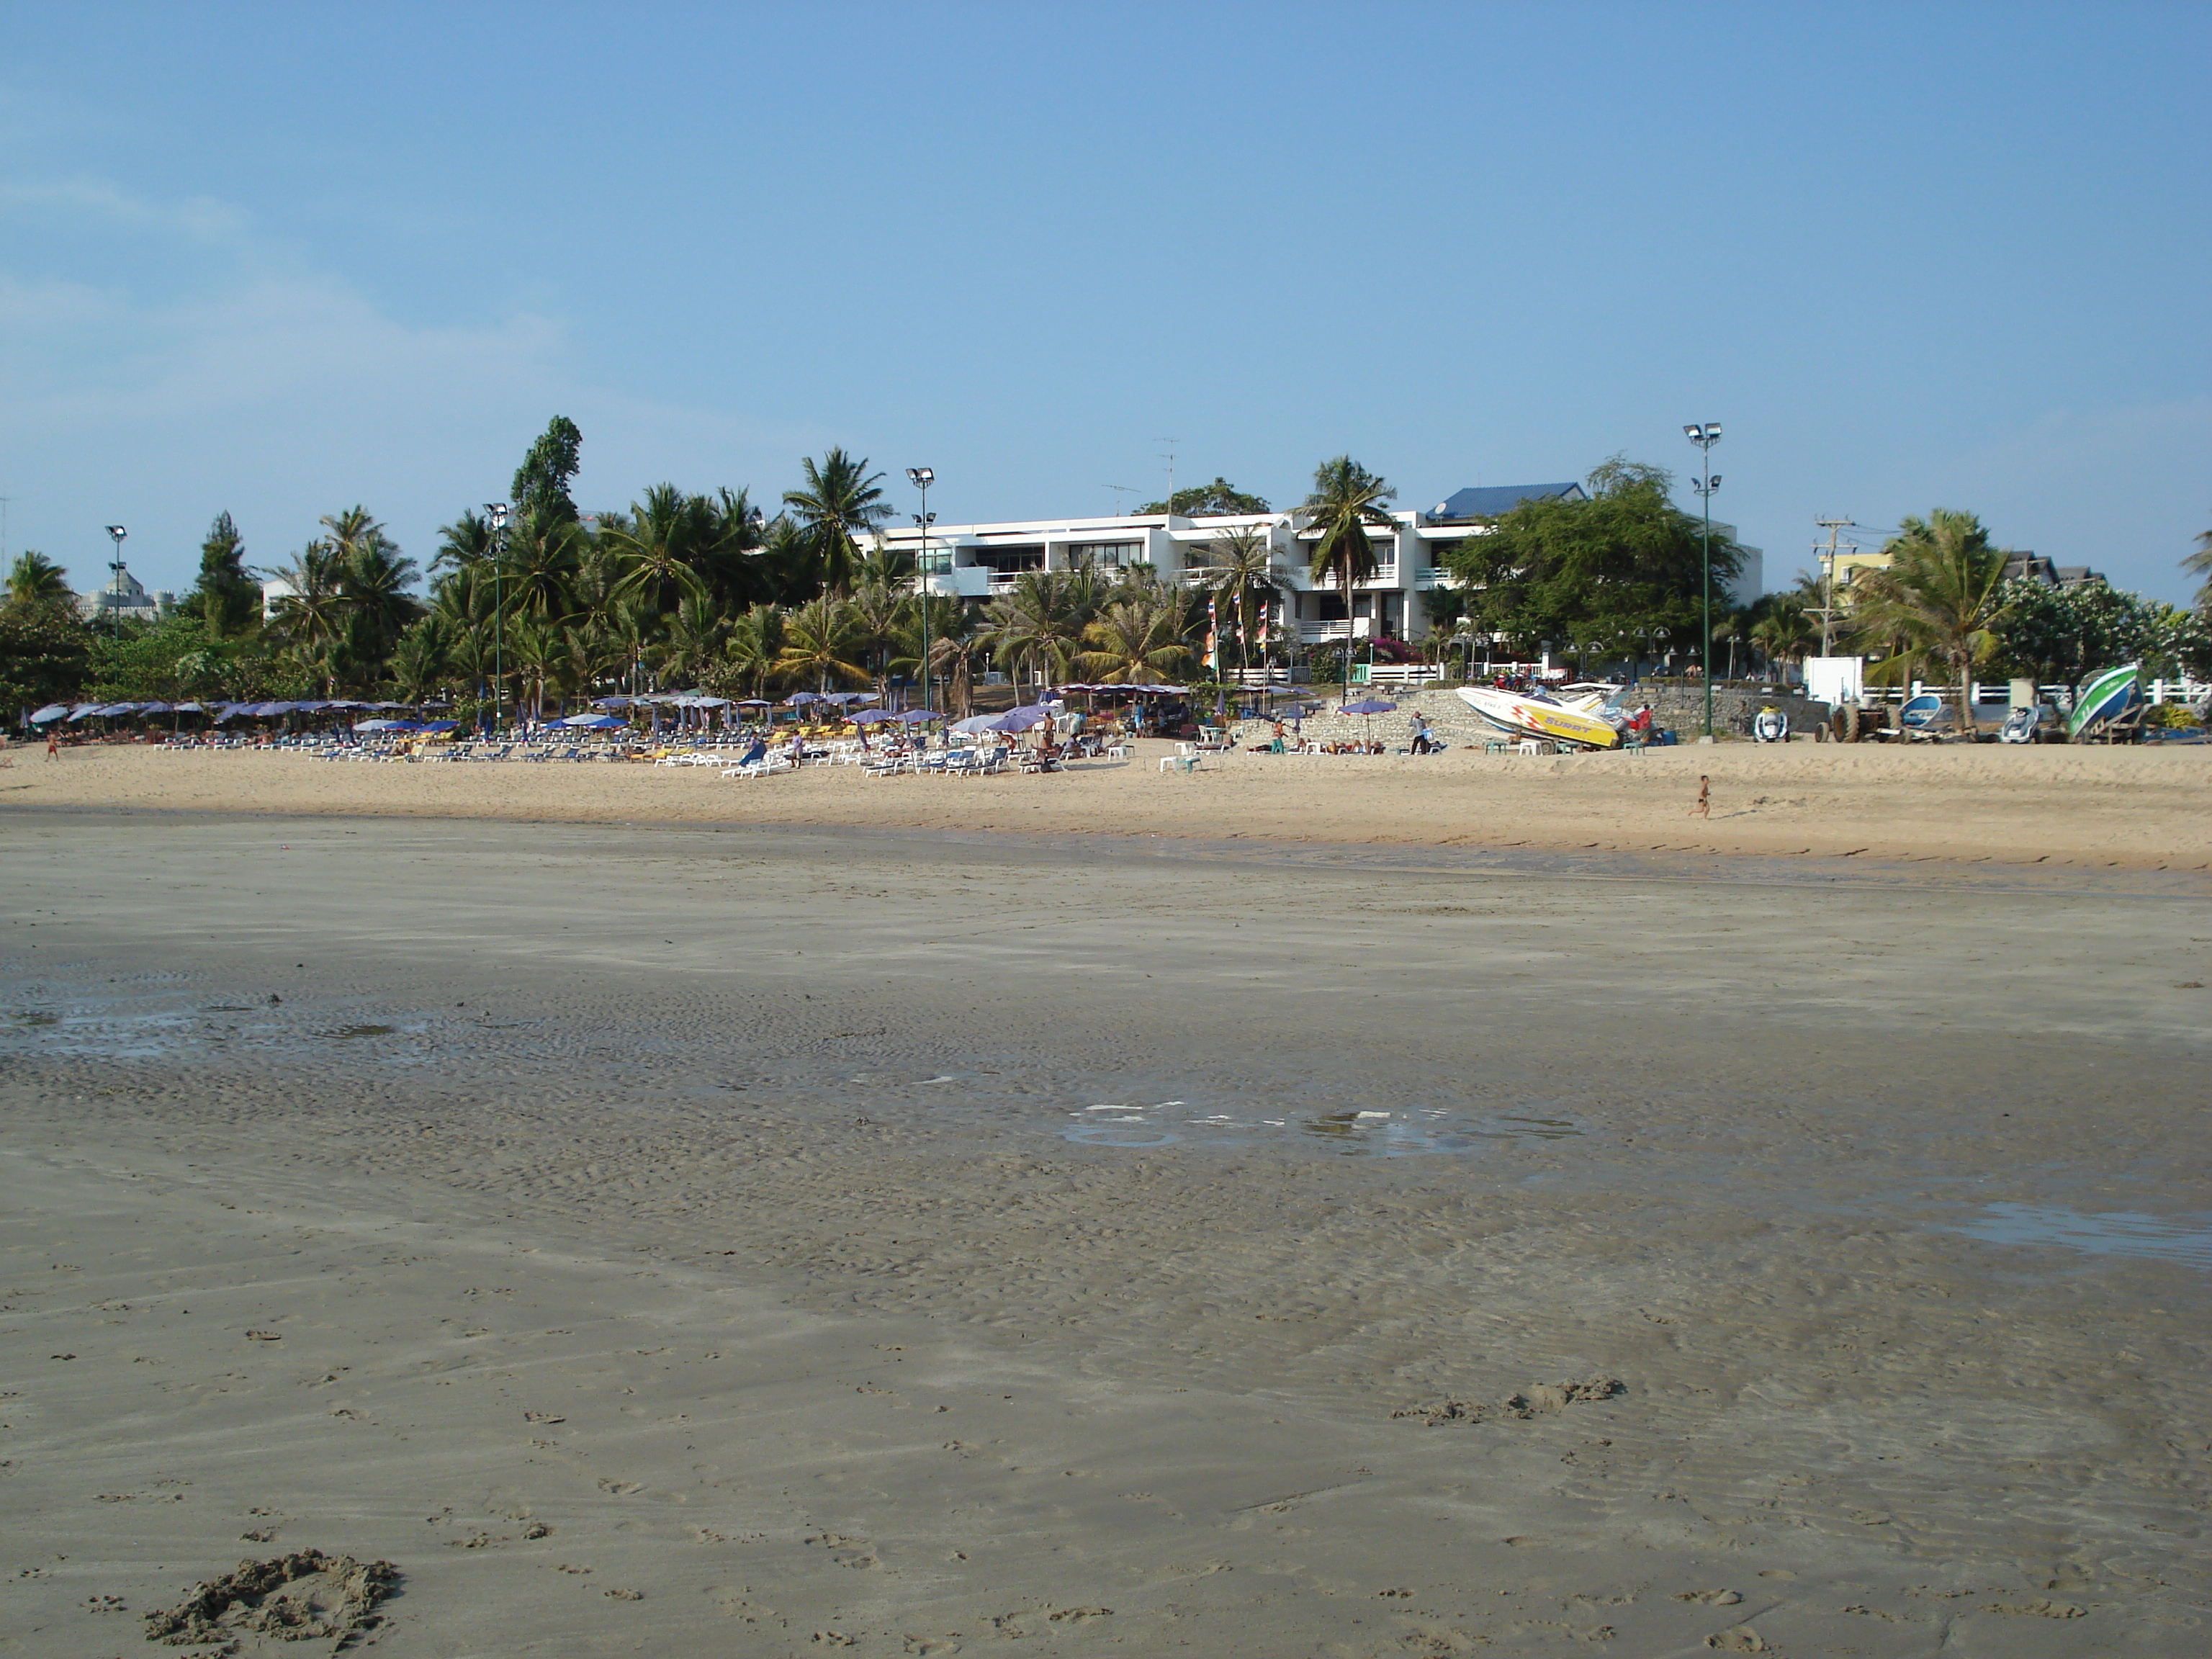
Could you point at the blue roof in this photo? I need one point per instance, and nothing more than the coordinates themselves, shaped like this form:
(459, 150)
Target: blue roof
(1498, 500)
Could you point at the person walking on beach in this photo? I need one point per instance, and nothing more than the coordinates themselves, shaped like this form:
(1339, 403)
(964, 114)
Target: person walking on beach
(1704, 809)
(53, 745)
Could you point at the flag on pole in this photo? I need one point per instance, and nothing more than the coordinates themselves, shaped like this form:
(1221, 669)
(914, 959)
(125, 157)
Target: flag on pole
(1213, 637)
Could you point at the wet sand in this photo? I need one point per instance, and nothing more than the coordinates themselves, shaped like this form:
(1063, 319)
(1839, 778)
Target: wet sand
(2146, 808)
(683, 1238)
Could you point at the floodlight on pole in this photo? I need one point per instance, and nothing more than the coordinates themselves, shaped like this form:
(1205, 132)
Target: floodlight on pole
(119, 533)
(921, 477)
(495, 513)
(1705, 434)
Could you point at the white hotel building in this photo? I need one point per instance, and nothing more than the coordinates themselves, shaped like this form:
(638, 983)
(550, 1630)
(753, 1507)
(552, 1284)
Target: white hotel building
(978, 561)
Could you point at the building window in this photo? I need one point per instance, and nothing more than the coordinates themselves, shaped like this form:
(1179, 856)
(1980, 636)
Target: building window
(1105, 556)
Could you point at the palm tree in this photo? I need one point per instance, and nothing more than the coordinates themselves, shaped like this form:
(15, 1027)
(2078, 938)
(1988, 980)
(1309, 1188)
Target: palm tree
(536, 652)
(755, 642)
(1786, 633)
(312, 616)
(544, 562)
(818, 642)
(1941, 594)
(462, 543)
(1039, 622)
(657, 550)
(1241, 573)
(839, 504)
(695, 639)
(1346, 500)
(880, 613)
(373, 577)
(418, 660)
(2199, 563)
(1135, 640)
(34, 578)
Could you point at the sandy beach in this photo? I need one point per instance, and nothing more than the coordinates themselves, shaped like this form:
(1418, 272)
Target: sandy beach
(1118, 1211)
(2129, 808)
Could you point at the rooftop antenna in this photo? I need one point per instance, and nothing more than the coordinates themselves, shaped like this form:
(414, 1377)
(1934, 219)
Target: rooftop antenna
(1169, 457)
(1119, 490)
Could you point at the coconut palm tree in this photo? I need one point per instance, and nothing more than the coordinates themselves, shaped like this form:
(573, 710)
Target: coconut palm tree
(373, 578)
(1239, 577)
(657, 550)
(1345, 503)
(312, 615)
(1940, 596)
(1038, 623)
(695, 633)
(1786, 633)
(840, 504)
(2199, 563)
(1135, 640)
(818, 642)
(881, 614)
(419, 659)
(756, 642)
(34, 578)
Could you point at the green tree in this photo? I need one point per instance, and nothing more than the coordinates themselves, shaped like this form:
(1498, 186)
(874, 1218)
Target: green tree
(1623, 563)
(310, 615)
(1137, 640)
(658, 550)
(1038, 623)
(34, 578)
(756, 642)
(818, 644)
(1943, 595)
(419, 659)
(1345, 503)
(2199, 563)
(541, 483)
(226, 599)
(45, 656)
(1240, 577)
(839, 504)
(1218, 500)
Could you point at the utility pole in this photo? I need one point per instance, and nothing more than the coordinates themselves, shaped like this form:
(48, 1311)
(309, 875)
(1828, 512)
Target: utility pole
(1827, 611)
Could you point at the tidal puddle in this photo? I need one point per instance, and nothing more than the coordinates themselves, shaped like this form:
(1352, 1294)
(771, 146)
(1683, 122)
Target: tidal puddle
(2112, 1233)
(1404, 1131)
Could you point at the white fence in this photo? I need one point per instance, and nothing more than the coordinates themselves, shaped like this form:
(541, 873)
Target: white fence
(2183, 690)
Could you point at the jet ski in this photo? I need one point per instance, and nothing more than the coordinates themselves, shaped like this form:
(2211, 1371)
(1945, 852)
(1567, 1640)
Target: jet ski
(1532, 714)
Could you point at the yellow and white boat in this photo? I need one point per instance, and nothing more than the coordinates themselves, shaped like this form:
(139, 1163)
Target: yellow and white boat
(1578, 723)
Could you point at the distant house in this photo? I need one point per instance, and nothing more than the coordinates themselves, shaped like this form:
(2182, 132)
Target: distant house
(124, 599)
(2030, 567)
(1498, 500)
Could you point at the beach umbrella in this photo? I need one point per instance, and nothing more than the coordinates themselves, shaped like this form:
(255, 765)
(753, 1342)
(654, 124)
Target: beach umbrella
(802, 699)
(972, 725)
(52, 711)
(847, 699)
(428, 727)
(610, 703)
(874, 716)
(1021, 719)
(593, 722)
(384, 725)
(918, 716)
(1367, 706)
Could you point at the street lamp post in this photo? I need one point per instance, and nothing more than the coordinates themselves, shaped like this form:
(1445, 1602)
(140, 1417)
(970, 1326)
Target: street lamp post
(1705, 434)
(921, 477)
(496, 512)
(118, 533)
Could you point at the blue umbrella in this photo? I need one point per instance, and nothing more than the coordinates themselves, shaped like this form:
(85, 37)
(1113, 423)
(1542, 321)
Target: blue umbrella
(873, 716)
(593, 722)
(439, 726)
(385, 725)
(919, 716)
(52, 711)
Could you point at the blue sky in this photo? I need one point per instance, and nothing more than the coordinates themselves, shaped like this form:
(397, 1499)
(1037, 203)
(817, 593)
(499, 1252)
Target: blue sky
(280, 260)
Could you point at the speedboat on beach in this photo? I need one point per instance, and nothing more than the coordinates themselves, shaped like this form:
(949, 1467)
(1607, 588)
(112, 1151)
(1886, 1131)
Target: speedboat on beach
(2103, 704)
(1533, 715)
